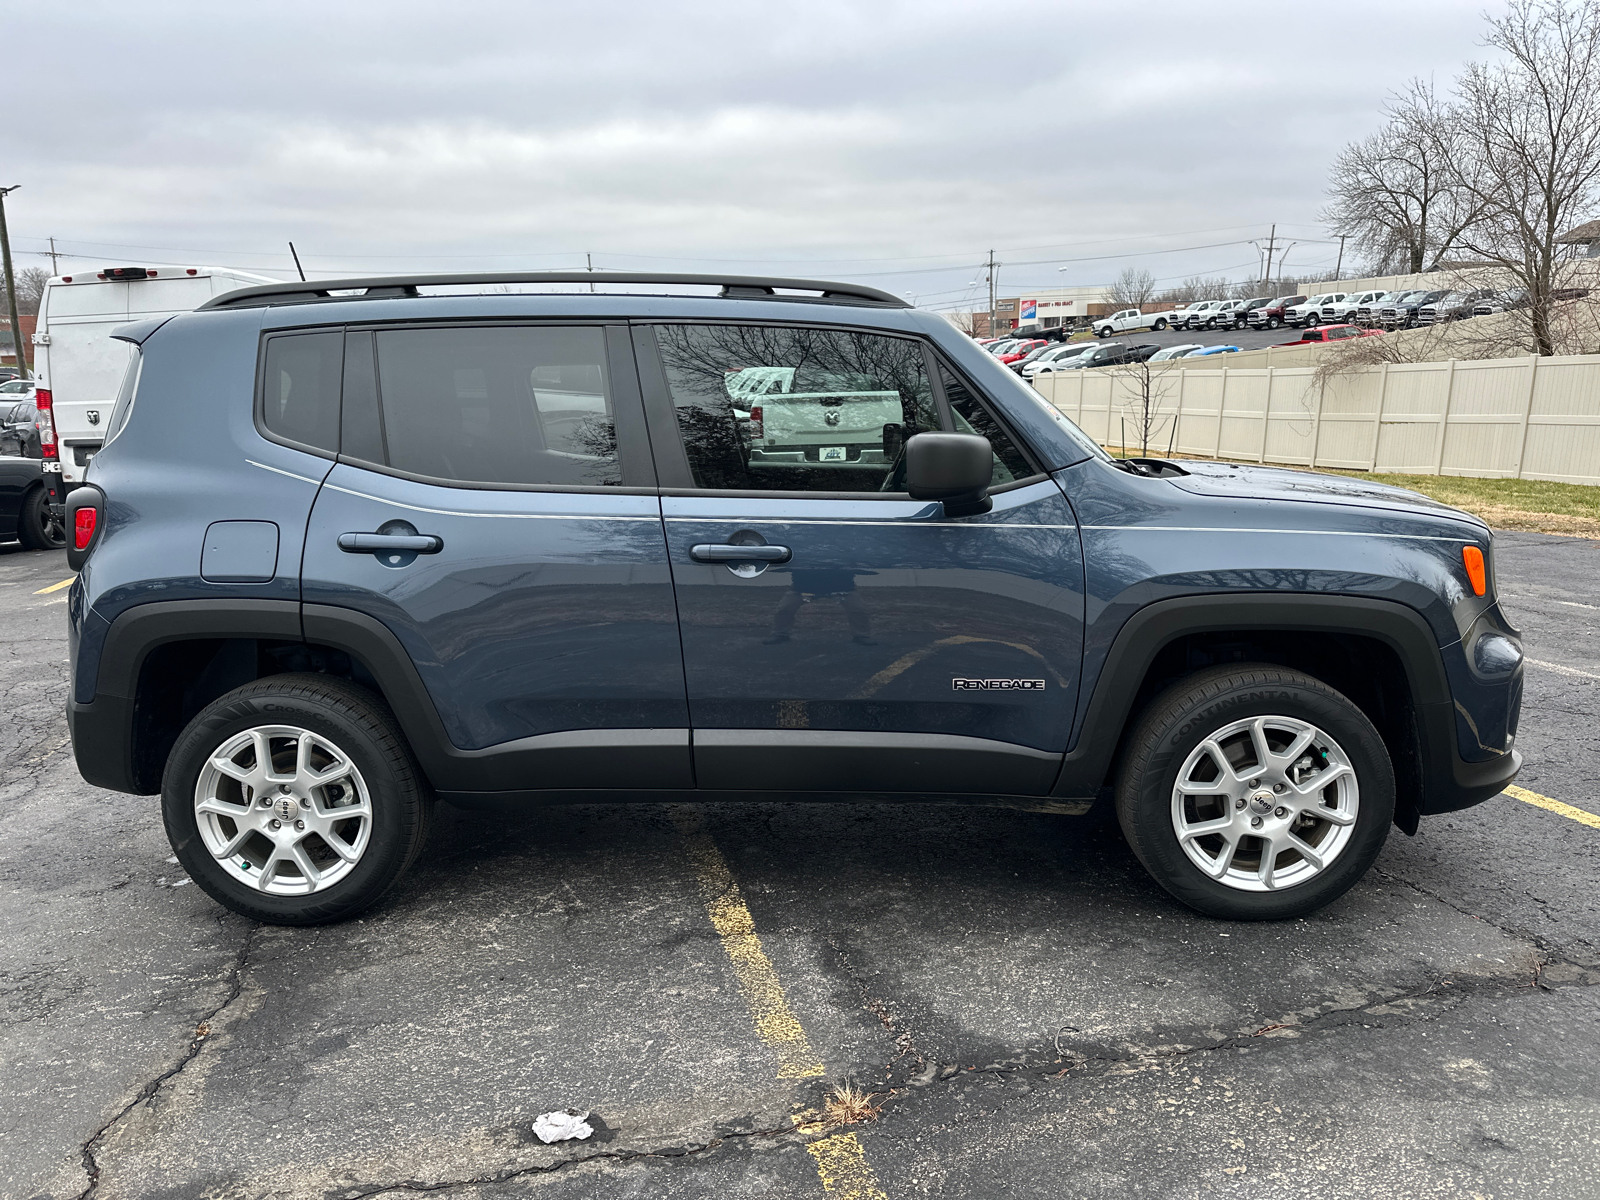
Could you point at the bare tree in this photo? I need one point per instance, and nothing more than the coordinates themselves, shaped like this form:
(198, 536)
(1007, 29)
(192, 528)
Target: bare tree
(1398, 194)
(1143, 389)
(1132, 288)
(1197, 287)
(1526, 147)
(30, 288)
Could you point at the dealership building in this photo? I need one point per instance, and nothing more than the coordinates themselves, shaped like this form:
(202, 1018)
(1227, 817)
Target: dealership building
(1047, 308)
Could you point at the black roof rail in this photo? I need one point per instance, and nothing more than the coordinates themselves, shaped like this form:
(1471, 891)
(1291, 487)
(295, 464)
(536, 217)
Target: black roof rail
(735, 287)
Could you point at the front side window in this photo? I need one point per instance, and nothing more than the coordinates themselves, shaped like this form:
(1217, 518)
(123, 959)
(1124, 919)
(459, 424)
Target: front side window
(518, 405)
(774, 408)
(971, 417)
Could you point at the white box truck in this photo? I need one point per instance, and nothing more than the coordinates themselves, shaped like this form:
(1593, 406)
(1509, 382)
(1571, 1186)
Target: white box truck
(78, 364)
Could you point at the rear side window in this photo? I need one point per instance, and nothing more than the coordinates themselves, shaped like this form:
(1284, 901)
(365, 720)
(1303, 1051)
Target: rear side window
(300, 388)
(498, 405)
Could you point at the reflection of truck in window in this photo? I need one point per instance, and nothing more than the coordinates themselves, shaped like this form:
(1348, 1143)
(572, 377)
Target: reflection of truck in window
(789, 415)
(78, 363)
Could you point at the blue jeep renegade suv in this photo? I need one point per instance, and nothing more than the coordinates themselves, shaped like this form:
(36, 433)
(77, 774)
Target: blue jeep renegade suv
(355, 545)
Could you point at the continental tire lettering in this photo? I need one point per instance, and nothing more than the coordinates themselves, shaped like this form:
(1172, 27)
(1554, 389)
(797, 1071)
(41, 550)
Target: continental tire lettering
(997, 685)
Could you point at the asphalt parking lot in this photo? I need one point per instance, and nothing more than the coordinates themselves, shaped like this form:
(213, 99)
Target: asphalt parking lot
(1035, 1016)
(1245, 339)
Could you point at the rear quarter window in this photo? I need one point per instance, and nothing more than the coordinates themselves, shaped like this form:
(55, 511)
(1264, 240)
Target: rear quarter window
(300, 375)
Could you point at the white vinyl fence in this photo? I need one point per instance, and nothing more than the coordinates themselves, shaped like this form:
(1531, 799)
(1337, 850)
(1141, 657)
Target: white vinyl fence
(1523, 418)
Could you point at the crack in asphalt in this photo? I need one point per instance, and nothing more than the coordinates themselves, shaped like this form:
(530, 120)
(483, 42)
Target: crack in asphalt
(1544, 944)
(203, 1032)
(669, 1153)
(899, 1096)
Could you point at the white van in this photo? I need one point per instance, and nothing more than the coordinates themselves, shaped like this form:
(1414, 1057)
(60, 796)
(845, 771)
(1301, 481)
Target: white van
(78, 362)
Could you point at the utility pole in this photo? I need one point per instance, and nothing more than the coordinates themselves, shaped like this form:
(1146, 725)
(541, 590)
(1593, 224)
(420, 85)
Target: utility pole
(11, 282)
(1270, 240)
(991, 293)
(1339, 267)
(55, 267)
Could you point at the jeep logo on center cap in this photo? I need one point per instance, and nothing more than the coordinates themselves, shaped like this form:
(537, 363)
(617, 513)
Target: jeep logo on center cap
(286, 807)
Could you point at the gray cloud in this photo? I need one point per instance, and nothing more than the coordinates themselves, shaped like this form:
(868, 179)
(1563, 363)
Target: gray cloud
(858, 139)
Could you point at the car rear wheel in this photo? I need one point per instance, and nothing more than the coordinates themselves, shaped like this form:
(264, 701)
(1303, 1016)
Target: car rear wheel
(37, 529)
(294, 800)
(1255, 792)
(1159, 326)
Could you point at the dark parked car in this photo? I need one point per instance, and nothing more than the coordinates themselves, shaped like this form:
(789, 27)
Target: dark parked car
(19, 428)
(349, 548)
(1271, 314)
(25, 509)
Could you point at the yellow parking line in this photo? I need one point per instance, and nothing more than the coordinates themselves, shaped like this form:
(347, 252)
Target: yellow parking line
(55, 587)
(840, 1160)
(844, 1168)
(775, 1022)
(1555, 806)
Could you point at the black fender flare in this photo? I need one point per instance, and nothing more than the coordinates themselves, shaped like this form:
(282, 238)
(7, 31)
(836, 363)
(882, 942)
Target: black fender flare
(1447, 782)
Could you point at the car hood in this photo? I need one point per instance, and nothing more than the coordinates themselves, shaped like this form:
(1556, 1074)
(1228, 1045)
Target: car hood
(1275, 483)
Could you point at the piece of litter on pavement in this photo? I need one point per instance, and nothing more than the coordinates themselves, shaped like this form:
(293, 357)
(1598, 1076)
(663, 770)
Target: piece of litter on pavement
(562, 1126)
(172, 858)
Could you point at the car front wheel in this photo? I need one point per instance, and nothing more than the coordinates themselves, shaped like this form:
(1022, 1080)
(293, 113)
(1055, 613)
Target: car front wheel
(295, 800)
(1255, 792)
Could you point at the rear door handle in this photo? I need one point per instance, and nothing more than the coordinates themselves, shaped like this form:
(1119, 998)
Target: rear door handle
(389, 543)
(723, 553)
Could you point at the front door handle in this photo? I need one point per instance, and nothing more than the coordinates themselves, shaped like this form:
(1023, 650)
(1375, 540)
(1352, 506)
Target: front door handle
(390, 543)
(724, 553)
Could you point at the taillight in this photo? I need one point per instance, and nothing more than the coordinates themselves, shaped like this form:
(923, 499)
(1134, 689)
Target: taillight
(83, 527)
(757, 423)
(1477, 575)
(45, 407)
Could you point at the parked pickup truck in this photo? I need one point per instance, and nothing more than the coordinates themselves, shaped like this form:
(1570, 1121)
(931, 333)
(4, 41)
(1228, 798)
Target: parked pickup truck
(1332, 333)
(1298, 316)
(1403, 315)
(1273, 315)
(1339, 311)
(1130, 318)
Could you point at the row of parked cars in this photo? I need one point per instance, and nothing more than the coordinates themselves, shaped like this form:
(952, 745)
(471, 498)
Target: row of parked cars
(1374, 308)
(1031, 357)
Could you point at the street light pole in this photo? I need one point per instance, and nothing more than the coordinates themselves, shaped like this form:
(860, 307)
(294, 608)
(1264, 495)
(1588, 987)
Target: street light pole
(11, 282)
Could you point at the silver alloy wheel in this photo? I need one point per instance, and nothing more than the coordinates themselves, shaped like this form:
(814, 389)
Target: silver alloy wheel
(1265, 803)
(284, 809)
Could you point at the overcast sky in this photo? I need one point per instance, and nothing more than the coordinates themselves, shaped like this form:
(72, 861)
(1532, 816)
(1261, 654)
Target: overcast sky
(890, 143)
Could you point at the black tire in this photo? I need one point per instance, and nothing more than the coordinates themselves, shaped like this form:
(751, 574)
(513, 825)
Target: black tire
(36, 529)
(1175, 724)
(360, 725)
(1313, 321)
(1103, 333)
(1274, 322)
(1158, 326)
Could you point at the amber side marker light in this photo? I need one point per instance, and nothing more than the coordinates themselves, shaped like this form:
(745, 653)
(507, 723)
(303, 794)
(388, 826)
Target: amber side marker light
(1472, 557)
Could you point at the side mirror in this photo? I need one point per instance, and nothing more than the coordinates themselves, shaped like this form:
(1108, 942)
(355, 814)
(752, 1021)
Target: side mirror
(952, 467)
